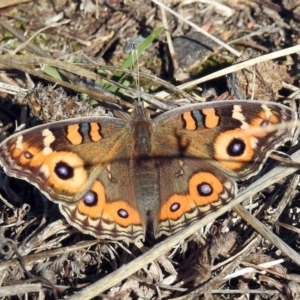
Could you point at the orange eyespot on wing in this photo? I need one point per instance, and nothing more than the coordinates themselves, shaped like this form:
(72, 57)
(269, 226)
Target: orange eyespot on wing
(93, 214)
(269, 115)
(65, 172)
(25, 154)
(60, 174)
(233, 148)
(258, 126)
(206, 192)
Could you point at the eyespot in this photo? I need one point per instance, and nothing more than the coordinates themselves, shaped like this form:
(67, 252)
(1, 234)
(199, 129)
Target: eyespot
(236, 147)
(264, 123)
(204, 189)
(27, 155)
(64, 171)
(123, 213)
(90, 198)
(174, 207)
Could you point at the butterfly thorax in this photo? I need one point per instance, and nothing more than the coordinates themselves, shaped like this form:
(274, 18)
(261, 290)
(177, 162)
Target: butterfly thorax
(142, 131)
(142, 138)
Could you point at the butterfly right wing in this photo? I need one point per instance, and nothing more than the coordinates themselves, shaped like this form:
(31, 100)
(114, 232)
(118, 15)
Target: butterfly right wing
(208, 145)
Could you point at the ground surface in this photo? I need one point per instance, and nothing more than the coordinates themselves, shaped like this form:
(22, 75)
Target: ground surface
(98, 35)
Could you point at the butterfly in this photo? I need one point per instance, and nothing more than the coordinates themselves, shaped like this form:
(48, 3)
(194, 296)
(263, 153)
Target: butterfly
(115, 179)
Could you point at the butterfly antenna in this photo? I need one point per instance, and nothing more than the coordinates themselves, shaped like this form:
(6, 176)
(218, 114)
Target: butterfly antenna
(135, 58)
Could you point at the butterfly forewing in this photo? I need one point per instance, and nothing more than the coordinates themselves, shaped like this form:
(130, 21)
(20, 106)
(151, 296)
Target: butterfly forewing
(232, 135)
(62, 159)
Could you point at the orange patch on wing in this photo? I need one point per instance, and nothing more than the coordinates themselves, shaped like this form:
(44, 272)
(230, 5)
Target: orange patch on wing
(211, 120)
(24, 149)
(185, 205)
(96, 210)
(38, 159)
(109, 211)
(210, 179)
(188, 202)
(72, 185)
(15, 152)
(262, 124)
(190, 123)
(273, 119)
(95, 132)
(263, 117)
(222, 142)
(256, 122)
(73, 134)
(256, 130)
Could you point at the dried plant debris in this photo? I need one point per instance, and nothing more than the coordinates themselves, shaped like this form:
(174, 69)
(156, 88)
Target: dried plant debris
(41, 255)
(51, 104)
(262, 82)
(220, 246)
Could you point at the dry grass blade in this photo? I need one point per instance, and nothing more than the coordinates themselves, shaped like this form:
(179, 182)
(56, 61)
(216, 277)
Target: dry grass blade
(6, 3)
(161, 248)
(242, 65)
(29, 63)
(22, 38)
(29, 259)
(13, 63)
(193, 25)
(266, 269)
(267, 234)
(12, 90)
(12, 290)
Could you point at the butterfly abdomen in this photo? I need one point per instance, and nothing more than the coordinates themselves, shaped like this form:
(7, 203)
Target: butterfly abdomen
(145, 177)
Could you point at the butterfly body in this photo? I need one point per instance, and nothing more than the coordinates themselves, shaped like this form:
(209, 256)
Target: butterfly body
(113, 178)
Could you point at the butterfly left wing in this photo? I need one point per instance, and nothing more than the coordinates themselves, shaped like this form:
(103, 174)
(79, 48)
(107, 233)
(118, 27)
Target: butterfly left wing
(81, 164)
(211, 144)
(62, 159)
